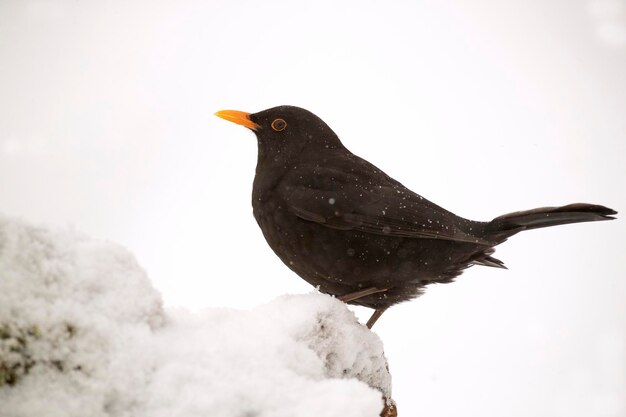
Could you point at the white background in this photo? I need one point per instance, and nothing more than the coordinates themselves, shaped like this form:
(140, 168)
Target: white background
(484, 107)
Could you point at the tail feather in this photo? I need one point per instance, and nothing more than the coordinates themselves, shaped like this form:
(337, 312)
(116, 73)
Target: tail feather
(484, 258)
(509, 224)
(490, 261)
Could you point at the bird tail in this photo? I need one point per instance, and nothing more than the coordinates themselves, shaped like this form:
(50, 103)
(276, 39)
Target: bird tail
(512, 223)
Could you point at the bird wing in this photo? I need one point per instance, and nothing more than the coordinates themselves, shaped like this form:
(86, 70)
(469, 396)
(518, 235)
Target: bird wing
(348, 202)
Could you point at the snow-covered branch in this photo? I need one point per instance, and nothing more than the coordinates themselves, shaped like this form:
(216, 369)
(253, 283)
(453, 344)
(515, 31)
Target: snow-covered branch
(84, 333)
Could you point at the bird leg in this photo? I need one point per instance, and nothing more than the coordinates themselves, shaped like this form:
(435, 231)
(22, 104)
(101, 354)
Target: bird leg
(364, 293)
(360, 294)
(377, 313)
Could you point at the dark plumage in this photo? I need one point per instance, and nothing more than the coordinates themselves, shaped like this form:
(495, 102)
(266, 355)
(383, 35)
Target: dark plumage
(349, 229)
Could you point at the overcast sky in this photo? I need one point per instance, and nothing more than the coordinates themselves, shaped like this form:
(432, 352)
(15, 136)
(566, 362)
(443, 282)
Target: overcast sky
(484, 107)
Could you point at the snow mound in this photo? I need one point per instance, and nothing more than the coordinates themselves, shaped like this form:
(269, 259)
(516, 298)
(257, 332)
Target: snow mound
(83, 333)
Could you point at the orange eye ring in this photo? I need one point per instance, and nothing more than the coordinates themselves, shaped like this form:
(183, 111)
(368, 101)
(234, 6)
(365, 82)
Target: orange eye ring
(279, 125)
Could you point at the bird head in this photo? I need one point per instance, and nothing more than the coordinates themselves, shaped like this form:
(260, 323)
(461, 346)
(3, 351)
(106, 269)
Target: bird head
(285, 131)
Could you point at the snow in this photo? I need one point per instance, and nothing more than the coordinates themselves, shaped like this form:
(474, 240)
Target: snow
(84, 333)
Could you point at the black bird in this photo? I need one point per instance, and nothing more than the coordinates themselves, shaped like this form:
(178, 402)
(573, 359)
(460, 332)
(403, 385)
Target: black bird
(350, 230)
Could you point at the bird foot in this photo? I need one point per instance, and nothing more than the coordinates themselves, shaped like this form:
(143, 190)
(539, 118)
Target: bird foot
(377, 313)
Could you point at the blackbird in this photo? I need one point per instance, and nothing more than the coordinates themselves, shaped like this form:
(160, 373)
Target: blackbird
(352, 231)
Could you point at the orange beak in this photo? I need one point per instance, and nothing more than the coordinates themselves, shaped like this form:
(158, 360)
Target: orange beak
(239, 117)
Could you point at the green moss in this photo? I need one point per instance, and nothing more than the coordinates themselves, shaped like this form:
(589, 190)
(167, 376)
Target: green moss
(15, 351)
(4, 331)
(34, 332)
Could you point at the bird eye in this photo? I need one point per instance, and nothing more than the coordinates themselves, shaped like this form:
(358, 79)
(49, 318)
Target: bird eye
(279, 125)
